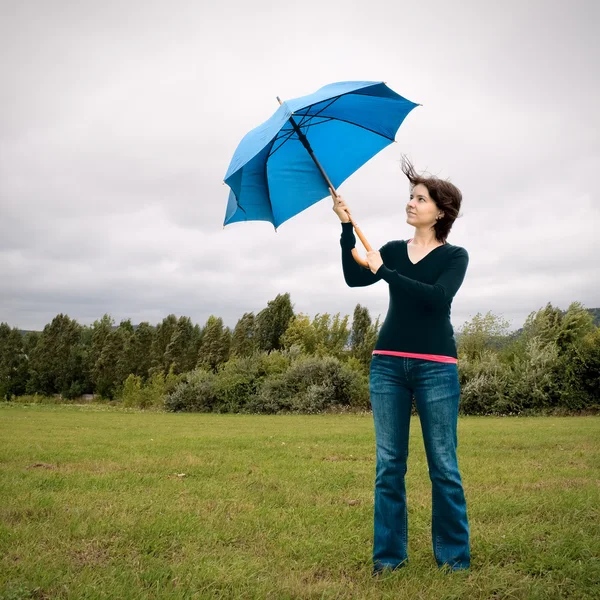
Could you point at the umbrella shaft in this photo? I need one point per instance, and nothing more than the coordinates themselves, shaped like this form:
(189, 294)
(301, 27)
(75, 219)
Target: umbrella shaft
(306, 144)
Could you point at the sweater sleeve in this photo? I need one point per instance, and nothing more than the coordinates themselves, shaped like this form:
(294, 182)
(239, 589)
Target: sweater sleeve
(354, 274)
(436, 295)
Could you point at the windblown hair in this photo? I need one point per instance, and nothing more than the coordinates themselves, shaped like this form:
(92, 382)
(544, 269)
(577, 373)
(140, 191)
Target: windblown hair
(446, 196)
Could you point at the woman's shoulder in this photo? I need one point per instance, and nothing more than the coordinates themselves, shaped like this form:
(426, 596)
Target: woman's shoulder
(451, 249)
(392, 245)
(457, 251)
(395, 243)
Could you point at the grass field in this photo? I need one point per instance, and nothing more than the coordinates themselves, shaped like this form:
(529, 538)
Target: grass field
(97, 502)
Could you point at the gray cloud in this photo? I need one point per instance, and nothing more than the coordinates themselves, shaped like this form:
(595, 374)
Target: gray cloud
(119, 121)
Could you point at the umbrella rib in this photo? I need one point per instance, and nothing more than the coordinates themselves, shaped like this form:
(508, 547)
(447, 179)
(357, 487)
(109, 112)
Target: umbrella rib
(333, 101)
(290, 136)
(336, 118)
(307, 117)
(277, 138)
(357, 125)
(327, 119)
(302, 124)
(307, 125)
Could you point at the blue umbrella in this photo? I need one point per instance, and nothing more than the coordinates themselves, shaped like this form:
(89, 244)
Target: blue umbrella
(309, 145)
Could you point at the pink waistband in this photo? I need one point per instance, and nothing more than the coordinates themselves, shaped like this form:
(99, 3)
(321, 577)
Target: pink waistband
(435, 357)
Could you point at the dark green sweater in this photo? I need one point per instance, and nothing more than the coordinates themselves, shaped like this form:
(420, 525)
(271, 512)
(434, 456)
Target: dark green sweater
(418, 318)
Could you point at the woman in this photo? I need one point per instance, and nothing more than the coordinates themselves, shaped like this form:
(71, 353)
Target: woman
(415, 356)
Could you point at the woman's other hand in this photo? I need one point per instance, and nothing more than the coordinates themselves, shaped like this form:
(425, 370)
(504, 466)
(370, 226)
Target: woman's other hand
(340, 208)
(374, 260)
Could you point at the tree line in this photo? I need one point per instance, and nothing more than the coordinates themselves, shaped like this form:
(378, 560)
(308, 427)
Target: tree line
(70, 359)
(279, 361)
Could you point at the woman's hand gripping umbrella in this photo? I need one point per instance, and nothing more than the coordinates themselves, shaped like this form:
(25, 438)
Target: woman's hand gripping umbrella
(340, 208)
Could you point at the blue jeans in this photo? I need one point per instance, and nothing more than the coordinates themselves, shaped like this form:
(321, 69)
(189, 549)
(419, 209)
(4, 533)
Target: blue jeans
(393, 383)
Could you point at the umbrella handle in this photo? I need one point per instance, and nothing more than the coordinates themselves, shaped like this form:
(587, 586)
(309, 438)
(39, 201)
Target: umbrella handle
(361, 261)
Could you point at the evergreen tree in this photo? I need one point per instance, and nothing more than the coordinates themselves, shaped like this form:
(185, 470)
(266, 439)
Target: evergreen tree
(13, 362)
(57, 359)
(30, 340)
(180, 353)
(143, 338)
(363, 335)
(361, 322)
(162, 339)
(226, 344)
(243, 339)
(112, 368)
(272, 322)
(216, 341)
(126, 360)
(100, 331)
(194, 348)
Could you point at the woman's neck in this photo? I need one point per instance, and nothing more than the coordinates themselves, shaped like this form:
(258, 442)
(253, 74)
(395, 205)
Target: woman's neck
(424, 239)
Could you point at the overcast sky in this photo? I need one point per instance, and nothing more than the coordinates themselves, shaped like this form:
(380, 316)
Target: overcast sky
(119, 119)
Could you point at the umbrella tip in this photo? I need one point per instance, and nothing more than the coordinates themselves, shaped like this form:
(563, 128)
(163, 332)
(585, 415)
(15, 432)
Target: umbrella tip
(279, 100)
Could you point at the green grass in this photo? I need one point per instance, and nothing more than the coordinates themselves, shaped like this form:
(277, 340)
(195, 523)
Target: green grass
(97, 502)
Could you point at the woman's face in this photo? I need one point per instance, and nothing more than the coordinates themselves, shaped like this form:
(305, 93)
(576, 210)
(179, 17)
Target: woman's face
(421, 210)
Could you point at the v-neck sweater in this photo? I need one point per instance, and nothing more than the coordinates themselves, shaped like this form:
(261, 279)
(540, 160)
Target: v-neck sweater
(417, 323)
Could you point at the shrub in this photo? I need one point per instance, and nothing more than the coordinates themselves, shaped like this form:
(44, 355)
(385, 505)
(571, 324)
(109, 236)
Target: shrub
(196, 392)
(484, 385)
(577, 374)
(532, 381)
(272, 383)
(131, 394)
(588, 355)
(152, 394)
(314, 384)
(238, 381)
(235, 383)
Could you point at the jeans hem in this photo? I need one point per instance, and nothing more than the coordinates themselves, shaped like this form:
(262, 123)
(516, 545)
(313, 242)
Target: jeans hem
(455, 567)
(379, 567)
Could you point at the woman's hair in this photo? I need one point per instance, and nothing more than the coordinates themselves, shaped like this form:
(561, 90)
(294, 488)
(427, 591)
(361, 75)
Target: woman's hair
(445, 194)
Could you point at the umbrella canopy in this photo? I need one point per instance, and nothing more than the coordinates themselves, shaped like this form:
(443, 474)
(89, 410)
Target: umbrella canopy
(275, 173)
